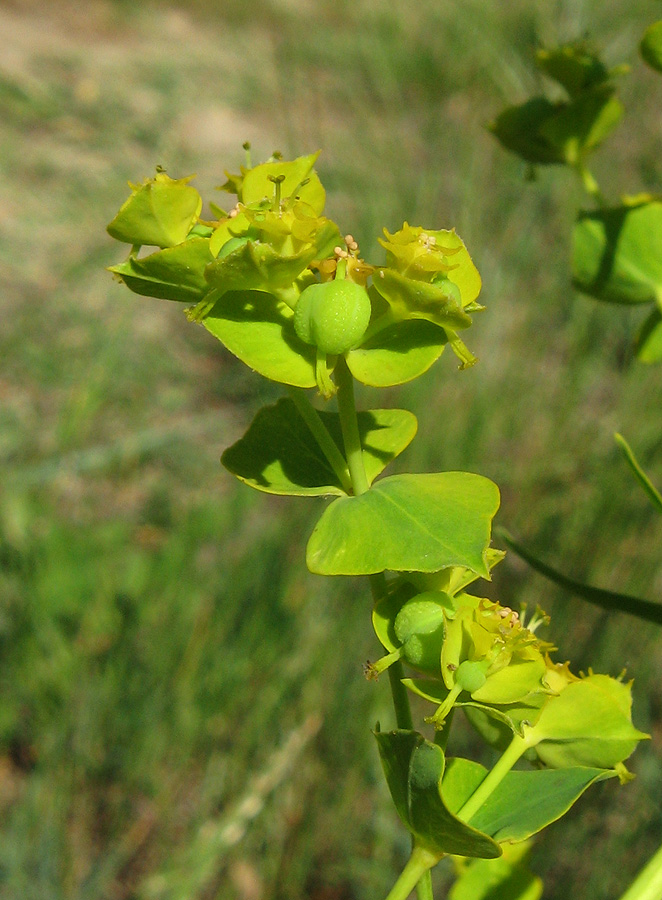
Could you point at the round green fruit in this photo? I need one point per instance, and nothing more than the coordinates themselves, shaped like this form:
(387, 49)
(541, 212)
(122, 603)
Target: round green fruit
(332, 316)
(470, 675)
(419, 626)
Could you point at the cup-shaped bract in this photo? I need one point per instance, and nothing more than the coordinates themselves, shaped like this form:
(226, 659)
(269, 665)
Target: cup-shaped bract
(489, 654)
(588, 723)
(159, 213)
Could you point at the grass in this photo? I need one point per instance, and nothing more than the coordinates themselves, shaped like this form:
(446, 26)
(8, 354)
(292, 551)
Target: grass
(182, 711)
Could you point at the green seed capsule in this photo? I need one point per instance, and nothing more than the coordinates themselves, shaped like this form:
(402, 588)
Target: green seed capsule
(332, 316)
(470, 675)
(419, 626)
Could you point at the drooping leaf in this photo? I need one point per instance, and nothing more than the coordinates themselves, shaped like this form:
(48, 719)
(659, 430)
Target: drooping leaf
(617, 253)
(651, 46)
(643, 479)
(414, 767)
(175, 273)
(648, 343)
(419, 523)
(524, 803)
(643, 609)
(258, 329)
(279, 455)
(159, 213)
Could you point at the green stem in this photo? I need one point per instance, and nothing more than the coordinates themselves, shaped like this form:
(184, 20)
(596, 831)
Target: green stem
(648, 883)
(589, 183)
(417, 870)
(493, 778)
(419, 865)
(319, 431)
(350, 427)
(424, 887)
(396, 673)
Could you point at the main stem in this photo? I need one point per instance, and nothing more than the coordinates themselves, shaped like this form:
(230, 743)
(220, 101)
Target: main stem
(417, 870)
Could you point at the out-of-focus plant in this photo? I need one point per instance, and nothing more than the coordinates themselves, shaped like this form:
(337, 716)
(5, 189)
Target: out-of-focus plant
(278, 284)
(616, 248)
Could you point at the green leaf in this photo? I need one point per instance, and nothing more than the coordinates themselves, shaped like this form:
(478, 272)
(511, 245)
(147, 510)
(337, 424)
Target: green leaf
(257, 186)
(588, 724)
(258, 329)
(640, 475)
(574, 66)
(414, 767)
(519, 129)
(506, 878)
(419, 523)
(580, 126)
(257, 266)
(176, 273)
(643, 609)
(398, 353)
(279, 454)
(651, 46)
(160, 212)
(524, 802)
(412, 299)
(617, 253)
(648, 343)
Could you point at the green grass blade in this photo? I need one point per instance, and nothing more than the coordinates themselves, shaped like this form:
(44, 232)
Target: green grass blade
(643, 609)
(640, 475)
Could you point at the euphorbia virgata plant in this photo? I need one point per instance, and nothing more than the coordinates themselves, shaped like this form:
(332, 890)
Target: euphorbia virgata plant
(289, 294)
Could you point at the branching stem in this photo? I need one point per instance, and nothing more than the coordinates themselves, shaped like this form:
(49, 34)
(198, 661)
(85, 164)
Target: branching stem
(493, 778)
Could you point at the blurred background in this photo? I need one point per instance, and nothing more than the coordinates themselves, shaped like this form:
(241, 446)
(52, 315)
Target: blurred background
(183, 714)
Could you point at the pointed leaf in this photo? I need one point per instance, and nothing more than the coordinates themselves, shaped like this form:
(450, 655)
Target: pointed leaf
(413, 769)
(419, 523)
(258, 329)
(651, 46)
(176, 273)
(648, 343)
(524, 803)
(160, 212)
(643, 609)
(617, 253)
(640, 475)
(279, 454)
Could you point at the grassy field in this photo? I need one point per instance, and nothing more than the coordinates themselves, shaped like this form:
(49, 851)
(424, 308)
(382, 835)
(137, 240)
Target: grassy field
(182, 710)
